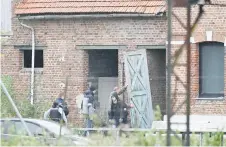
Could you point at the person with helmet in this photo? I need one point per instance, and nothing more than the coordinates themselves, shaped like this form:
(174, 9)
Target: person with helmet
(60, 100)
(56, 113)
(115, 103)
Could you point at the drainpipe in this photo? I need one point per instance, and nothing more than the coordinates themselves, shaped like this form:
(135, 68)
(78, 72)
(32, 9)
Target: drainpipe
(32, 62)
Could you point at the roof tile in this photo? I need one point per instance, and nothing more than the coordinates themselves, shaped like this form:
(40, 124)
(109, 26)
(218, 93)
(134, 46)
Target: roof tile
(90, 6)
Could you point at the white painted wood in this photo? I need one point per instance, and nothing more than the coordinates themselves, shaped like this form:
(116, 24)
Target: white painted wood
(139, 91)
(194, 126)
(6, 15)
(105, 87)
(197, 118)
(192, 39)
(225, 42)
(209, 35)
(180, 42)
(176, 42)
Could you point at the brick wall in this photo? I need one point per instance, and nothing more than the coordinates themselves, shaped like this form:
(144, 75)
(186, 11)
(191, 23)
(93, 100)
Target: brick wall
(214, 19)
(60, 38)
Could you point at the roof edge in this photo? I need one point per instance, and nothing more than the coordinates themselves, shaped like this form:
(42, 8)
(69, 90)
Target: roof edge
(63, 16)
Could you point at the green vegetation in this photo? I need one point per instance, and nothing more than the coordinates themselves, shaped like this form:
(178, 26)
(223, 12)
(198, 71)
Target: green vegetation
(158, 114)
(18, 141)
(23, 104)
(140, 139)
(135, 138)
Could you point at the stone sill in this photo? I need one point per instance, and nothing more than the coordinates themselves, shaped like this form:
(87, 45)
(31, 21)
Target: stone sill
(210, 99)
(28, 71)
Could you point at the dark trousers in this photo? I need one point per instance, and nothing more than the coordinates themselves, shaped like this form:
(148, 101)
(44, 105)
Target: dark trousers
(88, 124)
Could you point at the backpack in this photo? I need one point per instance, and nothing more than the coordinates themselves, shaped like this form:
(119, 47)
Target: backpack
(84, 105)
(64, 106)
(65, 109)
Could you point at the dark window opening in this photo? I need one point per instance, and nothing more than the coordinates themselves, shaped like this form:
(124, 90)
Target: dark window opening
(211, 69)
(38, 58)
(103, 63)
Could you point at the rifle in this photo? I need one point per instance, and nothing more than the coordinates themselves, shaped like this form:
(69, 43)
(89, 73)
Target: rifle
(65, 89)
(65, 96)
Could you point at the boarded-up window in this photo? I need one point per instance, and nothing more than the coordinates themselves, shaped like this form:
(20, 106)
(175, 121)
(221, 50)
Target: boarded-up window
(6, 15)
(211, 73)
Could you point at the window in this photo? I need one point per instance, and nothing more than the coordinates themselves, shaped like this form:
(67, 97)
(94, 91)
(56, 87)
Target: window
(6, 15)
(8, 127)
(20, 130)
(211, 70)
(28, 58)
(35, 129)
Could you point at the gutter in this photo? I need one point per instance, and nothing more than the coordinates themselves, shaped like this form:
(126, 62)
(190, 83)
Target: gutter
(87, 16)
(32, 62)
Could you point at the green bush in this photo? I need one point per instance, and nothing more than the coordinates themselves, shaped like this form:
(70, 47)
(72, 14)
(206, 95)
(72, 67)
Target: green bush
(23, 104)
(215, 139)
(158, 114)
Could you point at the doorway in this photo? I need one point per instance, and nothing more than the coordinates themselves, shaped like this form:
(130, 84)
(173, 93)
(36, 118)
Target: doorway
(157, 75)
(103, 74)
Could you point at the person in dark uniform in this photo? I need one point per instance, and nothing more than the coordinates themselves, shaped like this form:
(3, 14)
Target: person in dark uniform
(124, 123)
(61, 101)
(118, 114)
(115, 105)
(56, 113)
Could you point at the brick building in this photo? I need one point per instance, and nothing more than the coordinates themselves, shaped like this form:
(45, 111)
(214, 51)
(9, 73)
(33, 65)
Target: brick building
(208, 44)
(87, 40)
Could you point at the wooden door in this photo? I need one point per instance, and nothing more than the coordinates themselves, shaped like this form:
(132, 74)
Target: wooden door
(139, 92)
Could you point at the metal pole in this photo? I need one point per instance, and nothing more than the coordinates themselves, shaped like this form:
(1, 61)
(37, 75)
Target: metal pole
(168, 96)
(32, 67)
(15, 108)
(188, 73)
(117, 137)
(32, 61)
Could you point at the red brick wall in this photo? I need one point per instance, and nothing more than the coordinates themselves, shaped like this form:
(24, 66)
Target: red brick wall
(60, 38)
(214, 19)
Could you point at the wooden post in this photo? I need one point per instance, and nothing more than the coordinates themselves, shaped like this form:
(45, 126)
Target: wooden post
(65, 96)
(123, 82)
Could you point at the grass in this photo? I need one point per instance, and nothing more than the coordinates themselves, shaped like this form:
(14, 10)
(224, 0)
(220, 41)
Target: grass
(138, 139)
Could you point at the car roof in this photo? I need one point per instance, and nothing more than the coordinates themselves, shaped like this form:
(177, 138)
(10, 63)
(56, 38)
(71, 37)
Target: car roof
(50, 125)
(26, 119)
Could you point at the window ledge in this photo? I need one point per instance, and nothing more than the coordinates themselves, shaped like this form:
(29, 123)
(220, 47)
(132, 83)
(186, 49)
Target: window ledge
(214, 98)
(28, 70)
(7, 34)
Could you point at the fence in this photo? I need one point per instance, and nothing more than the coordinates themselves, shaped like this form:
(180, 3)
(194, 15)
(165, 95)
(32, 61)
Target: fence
(154, 133)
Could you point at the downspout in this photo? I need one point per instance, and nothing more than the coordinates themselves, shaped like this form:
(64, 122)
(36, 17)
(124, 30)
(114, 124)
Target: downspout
(32, 61)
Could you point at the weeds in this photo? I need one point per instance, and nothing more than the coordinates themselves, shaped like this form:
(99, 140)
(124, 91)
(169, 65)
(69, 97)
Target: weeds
(25, 108)
(135, 139)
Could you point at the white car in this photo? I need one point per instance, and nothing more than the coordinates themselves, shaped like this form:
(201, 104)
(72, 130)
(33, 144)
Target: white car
(40, 128)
